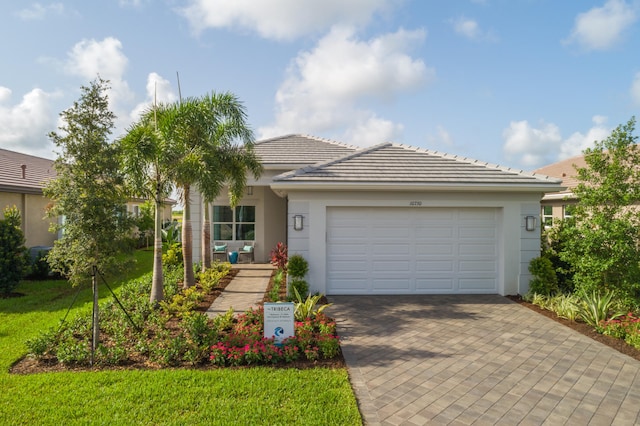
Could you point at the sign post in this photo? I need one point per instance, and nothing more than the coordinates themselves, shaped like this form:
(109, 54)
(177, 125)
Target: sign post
(278, 321)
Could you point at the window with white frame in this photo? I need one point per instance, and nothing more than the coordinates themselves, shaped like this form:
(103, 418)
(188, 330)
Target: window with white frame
(234, 224)
(547, 216)
(567, 210)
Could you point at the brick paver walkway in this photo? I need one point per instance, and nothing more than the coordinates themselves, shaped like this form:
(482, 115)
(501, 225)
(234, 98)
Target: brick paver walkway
(481, 360)
(246, 289)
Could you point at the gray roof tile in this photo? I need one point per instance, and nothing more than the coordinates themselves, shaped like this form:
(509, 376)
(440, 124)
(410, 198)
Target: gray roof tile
(34, 177)
(299, 150)
(394, 163)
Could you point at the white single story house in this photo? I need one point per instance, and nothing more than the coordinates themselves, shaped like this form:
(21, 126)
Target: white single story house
(387, 219)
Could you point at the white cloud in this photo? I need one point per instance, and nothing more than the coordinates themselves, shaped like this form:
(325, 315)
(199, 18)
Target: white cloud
(90, 58)
(158, 89)
(323, 86)
(441, 140)
(469, 28)
(578, 142)
(635, 89)
(281, 19)
(531, 147)
(371, 130)
(601, 27)
(37, 11)
(24, 126)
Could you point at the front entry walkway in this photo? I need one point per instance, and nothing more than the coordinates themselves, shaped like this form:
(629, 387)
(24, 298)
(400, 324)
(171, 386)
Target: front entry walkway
(481, 359)
(245, 291)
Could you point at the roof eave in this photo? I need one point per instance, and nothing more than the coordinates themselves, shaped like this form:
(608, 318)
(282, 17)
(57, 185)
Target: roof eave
(438, 186)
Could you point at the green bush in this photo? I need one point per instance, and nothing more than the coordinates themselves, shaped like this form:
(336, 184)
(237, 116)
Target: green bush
(300, 286)
(13, 253)
(278, 279)
(596, 307)
(297, 267)
(544, 279)
(173, 257)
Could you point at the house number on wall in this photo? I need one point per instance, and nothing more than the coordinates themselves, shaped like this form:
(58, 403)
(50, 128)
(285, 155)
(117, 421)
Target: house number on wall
(415, 203)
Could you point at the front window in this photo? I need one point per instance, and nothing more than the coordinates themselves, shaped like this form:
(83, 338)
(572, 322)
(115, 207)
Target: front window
(547, 216)
(234, 224)
(568, 210)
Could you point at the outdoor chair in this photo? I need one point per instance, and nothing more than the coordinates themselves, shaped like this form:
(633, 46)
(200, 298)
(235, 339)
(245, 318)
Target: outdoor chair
(246, 252)
(220, 253)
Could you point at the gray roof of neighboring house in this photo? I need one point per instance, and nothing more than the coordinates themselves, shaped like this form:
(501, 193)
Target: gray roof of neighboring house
(294, 151)
(24, 173)
(396, 164)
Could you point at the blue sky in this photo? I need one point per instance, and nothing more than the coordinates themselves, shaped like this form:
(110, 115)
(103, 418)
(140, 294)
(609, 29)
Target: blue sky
(520, 83)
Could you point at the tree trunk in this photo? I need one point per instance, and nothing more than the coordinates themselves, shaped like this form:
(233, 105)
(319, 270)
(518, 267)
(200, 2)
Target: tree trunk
(206, 239)
(187, 241)
(96, 316)
(157, 283)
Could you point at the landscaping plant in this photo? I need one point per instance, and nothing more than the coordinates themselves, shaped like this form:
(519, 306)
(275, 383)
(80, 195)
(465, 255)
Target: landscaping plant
(297, 268)
(13, 261)
(544, 280)
(279, 257)
(596, 307)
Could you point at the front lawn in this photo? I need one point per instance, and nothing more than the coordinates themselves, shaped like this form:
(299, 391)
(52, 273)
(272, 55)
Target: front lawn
(259, 395)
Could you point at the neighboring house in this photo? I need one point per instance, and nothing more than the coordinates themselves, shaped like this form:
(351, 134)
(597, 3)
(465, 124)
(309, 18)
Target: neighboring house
(559, 205)
(22, 179)
(388, 219)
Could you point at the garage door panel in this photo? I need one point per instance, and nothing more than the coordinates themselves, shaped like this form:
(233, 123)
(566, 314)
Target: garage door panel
(430, 284)
(433, 232)
(435, 266)
(477, 284)
(477, 249)
(477, 266)
(434, 248)
(357, 265)
(407, 250)
(391, 285)
(387, 265)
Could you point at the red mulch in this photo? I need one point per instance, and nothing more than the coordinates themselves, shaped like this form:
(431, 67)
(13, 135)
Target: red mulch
(617, 344)
(28, 365)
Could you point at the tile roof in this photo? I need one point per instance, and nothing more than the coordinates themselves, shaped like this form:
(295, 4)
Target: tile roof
(28, 179)
(299, 150)
(566, 171)
(390, 163)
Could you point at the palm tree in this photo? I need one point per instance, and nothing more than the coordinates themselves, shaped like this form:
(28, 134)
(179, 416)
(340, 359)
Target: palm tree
(147, 159)
(214, 145)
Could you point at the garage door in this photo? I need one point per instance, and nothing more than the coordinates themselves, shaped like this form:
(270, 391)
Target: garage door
(412, 250)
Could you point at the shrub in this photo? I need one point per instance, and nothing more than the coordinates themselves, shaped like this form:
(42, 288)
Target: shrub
(279, 256)
(210, 278)
(297, 267)
(278, 279)
(545, 280)
(300, 286)
(173, 256)
(12, 251)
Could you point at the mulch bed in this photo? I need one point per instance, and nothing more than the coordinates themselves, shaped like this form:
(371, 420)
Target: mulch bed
(28, 365)
(585, 329)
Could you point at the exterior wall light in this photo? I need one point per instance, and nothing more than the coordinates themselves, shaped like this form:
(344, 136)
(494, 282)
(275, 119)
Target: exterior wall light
(530, 223)
(297, 222)
(249, 190)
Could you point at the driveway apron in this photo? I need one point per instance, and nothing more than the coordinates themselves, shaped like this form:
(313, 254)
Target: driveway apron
(478, 359)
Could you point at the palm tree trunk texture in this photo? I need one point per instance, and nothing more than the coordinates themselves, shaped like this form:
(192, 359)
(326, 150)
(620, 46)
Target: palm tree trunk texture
(187, 241)
(206, 239)
(157, 284)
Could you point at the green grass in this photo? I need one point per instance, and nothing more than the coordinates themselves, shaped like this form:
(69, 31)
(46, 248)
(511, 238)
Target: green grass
(162, 397)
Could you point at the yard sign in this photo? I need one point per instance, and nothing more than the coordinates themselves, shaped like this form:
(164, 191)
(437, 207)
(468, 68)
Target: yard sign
(278, 321)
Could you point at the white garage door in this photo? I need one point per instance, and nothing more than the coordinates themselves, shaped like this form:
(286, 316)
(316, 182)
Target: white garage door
(412, 250)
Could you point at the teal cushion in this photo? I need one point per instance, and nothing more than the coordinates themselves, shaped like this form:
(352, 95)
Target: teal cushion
(220, 248)
(247, 248)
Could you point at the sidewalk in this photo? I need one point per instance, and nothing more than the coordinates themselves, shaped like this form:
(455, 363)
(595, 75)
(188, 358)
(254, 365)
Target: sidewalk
(246, 289)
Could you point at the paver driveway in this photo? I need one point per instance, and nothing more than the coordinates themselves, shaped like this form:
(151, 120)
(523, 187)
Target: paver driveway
(479, 359)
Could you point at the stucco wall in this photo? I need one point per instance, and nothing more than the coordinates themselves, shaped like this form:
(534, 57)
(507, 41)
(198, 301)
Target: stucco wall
(517, 246)
(35, 224)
